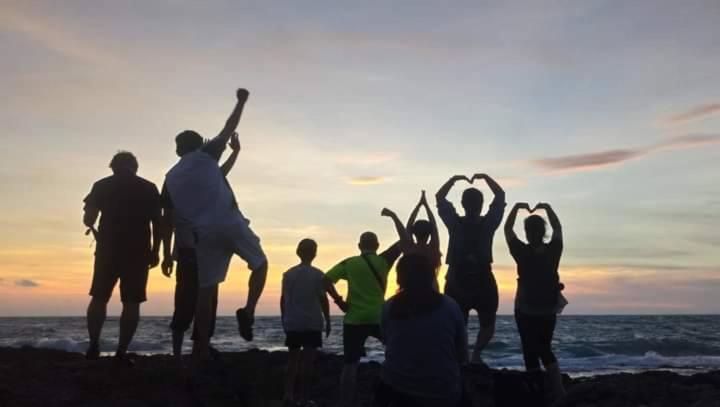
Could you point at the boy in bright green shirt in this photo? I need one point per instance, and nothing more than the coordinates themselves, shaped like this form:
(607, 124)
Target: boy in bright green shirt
(366, 276)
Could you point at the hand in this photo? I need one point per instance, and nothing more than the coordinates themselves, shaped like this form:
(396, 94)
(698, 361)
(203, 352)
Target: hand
(235, 143)
(542, 205)
(242, 95)
(387, 212)
(154, 259)
(478, 176)
(423, 198)
(327, 329)
(524, 205)
(342, 305)
(167, 266)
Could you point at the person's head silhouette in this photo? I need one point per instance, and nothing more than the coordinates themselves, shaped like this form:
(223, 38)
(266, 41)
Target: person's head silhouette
(187, 142)
(124, 162)
(307, 250)
(421, 230)
(368, 242)
(535, 229)
(472, 202)
(414, 272)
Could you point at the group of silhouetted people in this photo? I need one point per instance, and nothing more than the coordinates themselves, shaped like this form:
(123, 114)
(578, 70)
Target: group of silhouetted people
(197, 221)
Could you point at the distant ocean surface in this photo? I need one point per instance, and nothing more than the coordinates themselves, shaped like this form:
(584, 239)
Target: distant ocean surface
(585, 345)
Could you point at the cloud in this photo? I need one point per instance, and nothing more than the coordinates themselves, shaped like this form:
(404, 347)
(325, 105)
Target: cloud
(26, 283)
(689, 141)
(609, 158)
(54, 37)
(696, 113)
(362, 181)
(584, 162)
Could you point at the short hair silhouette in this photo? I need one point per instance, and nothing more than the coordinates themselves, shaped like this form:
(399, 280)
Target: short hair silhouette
(421, 229)
(124, 161)
(415, 272)
(187, 142)
(368, 242)
(535, 228)
(307, 250)
(472, 201)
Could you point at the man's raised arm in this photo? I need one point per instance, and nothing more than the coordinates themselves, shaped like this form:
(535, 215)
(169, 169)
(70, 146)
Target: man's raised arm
(494, 186)
(441, 194)
(216, 146)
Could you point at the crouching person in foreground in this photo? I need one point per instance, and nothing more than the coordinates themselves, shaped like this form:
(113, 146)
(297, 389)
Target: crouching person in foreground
(425, 342)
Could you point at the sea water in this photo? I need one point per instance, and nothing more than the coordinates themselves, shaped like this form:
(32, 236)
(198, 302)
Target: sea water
(584, 345)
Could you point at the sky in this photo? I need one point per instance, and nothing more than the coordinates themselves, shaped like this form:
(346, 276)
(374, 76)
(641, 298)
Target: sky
(608, 110)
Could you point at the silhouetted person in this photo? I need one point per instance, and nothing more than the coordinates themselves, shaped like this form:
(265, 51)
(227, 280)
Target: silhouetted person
(538, 289)
(366, 277)
(186, 276)
(425, 341)
(419, 237)
(128, 206)
(469, 279)
(303, 307)
(202, 201)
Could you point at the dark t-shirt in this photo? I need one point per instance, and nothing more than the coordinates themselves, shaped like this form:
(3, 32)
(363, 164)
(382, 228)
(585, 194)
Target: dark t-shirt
(537, 268)
(471, 240)
(127, 205)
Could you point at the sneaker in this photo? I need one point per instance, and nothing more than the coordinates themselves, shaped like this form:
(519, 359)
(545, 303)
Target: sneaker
(244, 324)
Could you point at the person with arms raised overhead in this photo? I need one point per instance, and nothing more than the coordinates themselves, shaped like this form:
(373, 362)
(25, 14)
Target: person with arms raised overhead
(203, 202)
(538, 296)
(186, 275)
(425, 341)
(419, 236)
(469, 279)
(128, 206)
(303, 307)
(366, 277)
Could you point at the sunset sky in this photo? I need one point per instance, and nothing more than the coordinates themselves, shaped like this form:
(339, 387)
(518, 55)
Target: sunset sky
(609, 110)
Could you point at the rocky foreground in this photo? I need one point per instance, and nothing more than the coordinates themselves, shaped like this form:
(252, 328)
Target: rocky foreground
(40, 377)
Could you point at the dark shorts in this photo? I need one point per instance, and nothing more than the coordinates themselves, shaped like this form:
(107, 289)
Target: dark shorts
(303, 339)
(132, 273)
(186, 292)
(475, 290)
(354, 337)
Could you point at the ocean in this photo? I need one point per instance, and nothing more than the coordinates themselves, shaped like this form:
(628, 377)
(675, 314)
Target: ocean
(585, 345)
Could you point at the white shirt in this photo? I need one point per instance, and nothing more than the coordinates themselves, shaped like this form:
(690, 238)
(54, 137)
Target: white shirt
(302, 288)
(200, 195)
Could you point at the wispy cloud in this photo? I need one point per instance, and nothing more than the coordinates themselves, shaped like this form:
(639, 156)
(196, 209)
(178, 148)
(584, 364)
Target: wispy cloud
(609, 158)
(362, 181)
(26, 283)
(54, 37)
(696, 113)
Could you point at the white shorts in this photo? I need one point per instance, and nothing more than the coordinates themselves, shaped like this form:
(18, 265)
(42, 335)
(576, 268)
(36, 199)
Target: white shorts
(216, 245)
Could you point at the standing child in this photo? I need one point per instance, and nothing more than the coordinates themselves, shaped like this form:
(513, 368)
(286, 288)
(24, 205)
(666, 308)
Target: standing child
(303, 306)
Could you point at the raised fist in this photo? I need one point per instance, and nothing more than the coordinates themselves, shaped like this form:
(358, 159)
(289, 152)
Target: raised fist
(242, 95)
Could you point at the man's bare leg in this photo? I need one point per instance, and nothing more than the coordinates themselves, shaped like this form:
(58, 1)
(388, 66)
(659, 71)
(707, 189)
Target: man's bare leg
(485, 334)
(256, 285)
(96, 314)
(203, 318)
(129, 319)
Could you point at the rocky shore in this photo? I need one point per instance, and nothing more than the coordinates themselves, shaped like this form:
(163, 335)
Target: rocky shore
(42, 377)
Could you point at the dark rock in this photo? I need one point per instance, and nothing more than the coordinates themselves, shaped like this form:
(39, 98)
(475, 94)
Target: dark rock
(51, 378)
